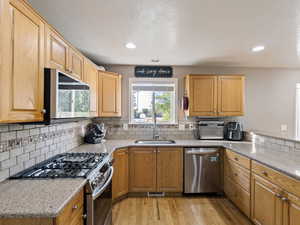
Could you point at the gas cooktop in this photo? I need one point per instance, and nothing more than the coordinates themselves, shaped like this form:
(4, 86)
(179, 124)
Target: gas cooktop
(67, 165)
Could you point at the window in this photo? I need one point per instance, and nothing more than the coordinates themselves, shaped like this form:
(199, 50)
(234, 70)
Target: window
(153, 97)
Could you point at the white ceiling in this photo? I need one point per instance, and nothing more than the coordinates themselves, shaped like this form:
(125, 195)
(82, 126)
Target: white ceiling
(180, 32)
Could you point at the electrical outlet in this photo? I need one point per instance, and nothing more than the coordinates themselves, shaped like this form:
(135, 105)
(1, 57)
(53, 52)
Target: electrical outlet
(284, 127)
(181, 126)
(191, 126)
(125, 126)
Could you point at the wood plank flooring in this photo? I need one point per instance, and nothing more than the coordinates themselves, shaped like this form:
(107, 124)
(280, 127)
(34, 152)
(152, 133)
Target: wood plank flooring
(177, 211)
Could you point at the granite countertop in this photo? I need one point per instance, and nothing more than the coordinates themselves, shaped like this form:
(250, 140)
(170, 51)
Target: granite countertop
(46, 197)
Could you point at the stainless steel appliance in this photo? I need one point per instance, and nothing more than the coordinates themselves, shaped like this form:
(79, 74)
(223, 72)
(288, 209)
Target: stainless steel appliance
(211, 130)
(234, 131)
(202, 170)
(95, 167)
(65, 97)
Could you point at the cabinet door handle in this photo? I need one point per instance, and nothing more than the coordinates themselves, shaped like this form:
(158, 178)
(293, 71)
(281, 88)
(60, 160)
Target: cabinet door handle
(44, 111)
(278, 196)
(284, 199)
(236, 159)
(75, 207)
(265, 173)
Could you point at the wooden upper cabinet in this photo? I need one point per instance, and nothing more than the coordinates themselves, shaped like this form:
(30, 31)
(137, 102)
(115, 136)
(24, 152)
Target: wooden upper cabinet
(266, 204)
(169, 169)
(120, 177)
(202, 92)
(91, 78)
(21, 79)
(57, 50)
(231, 95)
(211, 95)
(109, 94)
(75, 64)
(142, 169)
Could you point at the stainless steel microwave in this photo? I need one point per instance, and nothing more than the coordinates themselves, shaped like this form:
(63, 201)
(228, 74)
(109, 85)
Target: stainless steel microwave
(65, 97)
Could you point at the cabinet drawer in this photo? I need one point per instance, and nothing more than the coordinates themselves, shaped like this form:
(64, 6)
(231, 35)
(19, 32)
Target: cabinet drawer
(72, 213)
(238, 196)
(289, 184)
(237, 174)
(241, 160)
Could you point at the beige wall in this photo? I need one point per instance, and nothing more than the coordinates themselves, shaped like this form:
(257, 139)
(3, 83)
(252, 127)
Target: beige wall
(270, 94)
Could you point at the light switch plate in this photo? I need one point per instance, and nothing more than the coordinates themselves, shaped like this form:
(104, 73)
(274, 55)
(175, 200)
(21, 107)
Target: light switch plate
(181, 126)
(125, 126)
(284, 127)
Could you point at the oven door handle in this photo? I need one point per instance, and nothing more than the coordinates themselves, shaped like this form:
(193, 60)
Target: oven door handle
(101, 190)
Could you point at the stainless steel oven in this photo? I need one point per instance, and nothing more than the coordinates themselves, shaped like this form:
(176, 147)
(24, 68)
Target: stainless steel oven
(65, 97)
(99, 197)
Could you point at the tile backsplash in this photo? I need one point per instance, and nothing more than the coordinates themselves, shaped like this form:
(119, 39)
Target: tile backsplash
(22, 146)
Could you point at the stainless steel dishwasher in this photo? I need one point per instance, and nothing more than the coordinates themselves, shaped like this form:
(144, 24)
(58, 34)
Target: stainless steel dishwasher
(202, 170)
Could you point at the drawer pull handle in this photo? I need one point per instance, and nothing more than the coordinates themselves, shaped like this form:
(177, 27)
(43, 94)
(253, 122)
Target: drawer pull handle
(235, 174)
(284, 199)
(265, 173)
(236, 159)
(278, 196)
(75, 207)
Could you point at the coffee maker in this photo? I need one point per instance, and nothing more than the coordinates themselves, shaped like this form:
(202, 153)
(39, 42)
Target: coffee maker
(234, 131)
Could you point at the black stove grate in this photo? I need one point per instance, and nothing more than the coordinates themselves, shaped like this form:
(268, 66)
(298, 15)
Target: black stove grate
(66, 165)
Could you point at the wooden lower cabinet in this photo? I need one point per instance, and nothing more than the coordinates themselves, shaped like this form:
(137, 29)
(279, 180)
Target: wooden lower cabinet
(142, 169)
(120, 177)
(169, 169)
(291, 210)
(156, 169)
(267, 205)
(71, 214)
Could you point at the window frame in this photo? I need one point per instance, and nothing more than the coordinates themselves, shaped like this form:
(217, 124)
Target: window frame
(131, 99)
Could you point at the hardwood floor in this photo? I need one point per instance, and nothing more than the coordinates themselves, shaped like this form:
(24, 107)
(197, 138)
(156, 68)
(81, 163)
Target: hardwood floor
(177, 211)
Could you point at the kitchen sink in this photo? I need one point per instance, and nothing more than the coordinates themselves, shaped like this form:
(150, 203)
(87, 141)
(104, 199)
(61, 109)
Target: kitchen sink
(155, 142)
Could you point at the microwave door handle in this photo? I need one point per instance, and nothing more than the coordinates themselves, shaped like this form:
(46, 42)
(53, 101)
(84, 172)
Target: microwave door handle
(101, 190)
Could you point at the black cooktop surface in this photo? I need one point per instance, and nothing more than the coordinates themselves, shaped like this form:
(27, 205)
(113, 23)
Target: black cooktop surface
(67, 165)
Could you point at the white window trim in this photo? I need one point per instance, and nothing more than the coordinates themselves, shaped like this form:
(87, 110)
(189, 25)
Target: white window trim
(297, 130)
(170, 80)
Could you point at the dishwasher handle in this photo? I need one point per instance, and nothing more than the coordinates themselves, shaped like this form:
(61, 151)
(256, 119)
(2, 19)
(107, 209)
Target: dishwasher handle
(201, 151)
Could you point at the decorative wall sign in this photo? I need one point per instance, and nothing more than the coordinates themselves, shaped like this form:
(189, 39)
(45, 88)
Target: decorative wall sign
(153, 71)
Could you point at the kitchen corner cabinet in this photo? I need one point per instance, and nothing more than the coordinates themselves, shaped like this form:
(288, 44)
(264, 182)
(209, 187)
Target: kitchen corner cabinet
(275, 197)
(156, 169)
(22, 70)
(120, 177)
(71, 214)
(109, 94)
(213, 95)
(91, 78)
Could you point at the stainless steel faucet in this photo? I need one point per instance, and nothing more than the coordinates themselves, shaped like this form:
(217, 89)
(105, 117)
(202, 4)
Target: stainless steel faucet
(155, 134)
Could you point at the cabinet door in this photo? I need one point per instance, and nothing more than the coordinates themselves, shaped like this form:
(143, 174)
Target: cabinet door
(291, 210)
(169, 170)
(231, 95)
(202, 95)
(21, 79)
(91, 78)
(56, 51)
(266, 204)
(142, 169)
(109, 94)
(120, 178)
(75, 64)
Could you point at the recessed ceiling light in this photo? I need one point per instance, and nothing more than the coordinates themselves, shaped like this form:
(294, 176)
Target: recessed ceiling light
(130, 45)
(155, 60)
(258, 48)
